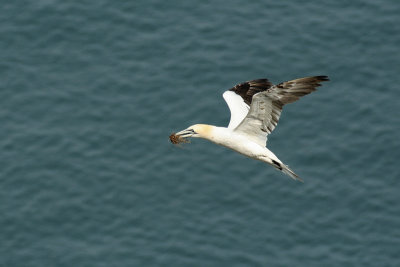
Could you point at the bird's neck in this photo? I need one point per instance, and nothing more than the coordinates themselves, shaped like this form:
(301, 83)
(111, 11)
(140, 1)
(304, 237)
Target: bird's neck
(216, 134)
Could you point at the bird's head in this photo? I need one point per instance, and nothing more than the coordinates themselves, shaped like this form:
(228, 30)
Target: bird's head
(197, 130)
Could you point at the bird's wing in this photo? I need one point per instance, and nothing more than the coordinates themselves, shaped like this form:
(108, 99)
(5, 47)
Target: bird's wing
(239, 99)
(266, 106)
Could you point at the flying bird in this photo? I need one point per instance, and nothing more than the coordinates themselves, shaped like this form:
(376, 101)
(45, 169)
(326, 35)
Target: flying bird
(255, 108)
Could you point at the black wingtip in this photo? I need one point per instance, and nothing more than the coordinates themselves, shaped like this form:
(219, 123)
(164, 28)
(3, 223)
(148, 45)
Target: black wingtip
(277, 164)
(322, 78)
(247, 90)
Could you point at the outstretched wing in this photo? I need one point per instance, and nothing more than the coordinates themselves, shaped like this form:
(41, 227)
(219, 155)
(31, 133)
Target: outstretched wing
(239, 99)
(266, 106)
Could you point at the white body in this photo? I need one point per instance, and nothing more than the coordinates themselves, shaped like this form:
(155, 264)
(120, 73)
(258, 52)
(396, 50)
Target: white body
(243, 144)
(239, 143)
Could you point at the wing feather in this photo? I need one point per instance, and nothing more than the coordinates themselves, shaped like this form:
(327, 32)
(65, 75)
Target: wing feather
(239, 99)
(238, 108)
(266, 106)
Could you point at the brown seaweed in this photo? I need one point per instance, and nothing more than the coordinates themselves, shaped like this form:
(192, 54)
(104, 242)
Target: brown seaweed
(176, 139)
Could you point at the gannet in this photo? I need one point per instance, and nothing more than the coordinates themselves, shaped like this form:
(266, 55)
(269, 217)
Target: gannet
(255, 108)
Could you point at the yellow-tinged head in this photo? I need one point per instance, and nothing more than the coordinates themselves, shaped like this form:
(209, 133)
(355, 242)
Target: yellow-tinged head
(197, 130)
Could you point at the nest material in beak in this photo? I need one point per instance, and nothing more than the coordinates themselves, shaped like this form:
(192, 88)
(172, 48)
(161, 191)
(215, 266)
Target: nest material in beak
(176, 139)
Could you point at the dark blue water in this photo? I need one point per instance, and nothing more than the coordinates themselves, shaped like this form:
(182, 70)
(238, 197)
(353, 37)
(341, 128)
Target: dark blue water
(91, 90)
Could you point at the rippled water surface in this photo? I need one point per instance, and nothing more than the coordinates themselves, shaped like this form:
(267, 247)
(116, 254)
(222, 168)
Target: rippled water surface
(91, 90)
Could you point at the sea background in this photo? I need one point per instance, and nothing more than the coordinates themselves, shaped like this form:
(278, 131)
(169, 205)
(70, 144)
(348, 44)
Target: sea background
(91, 90)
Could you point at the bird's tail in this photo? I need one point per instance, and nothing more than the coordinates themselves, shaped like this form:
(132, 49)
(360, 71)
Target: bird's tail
(292, 174)
(272, 159)
(286, 170)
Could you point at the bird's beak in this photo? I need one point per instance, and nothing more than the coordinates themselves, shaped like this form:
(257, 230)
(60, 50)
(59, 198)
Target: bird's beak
(186, 133)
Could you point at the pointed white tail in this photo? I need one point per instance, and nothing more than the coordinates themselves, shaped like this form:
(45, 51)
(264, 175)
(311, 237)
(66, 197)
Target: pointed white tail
(285, 169)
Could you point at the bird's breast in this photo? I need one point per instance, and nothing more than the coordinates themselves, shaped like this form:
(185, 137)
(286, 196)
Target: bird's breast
(239, 144)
